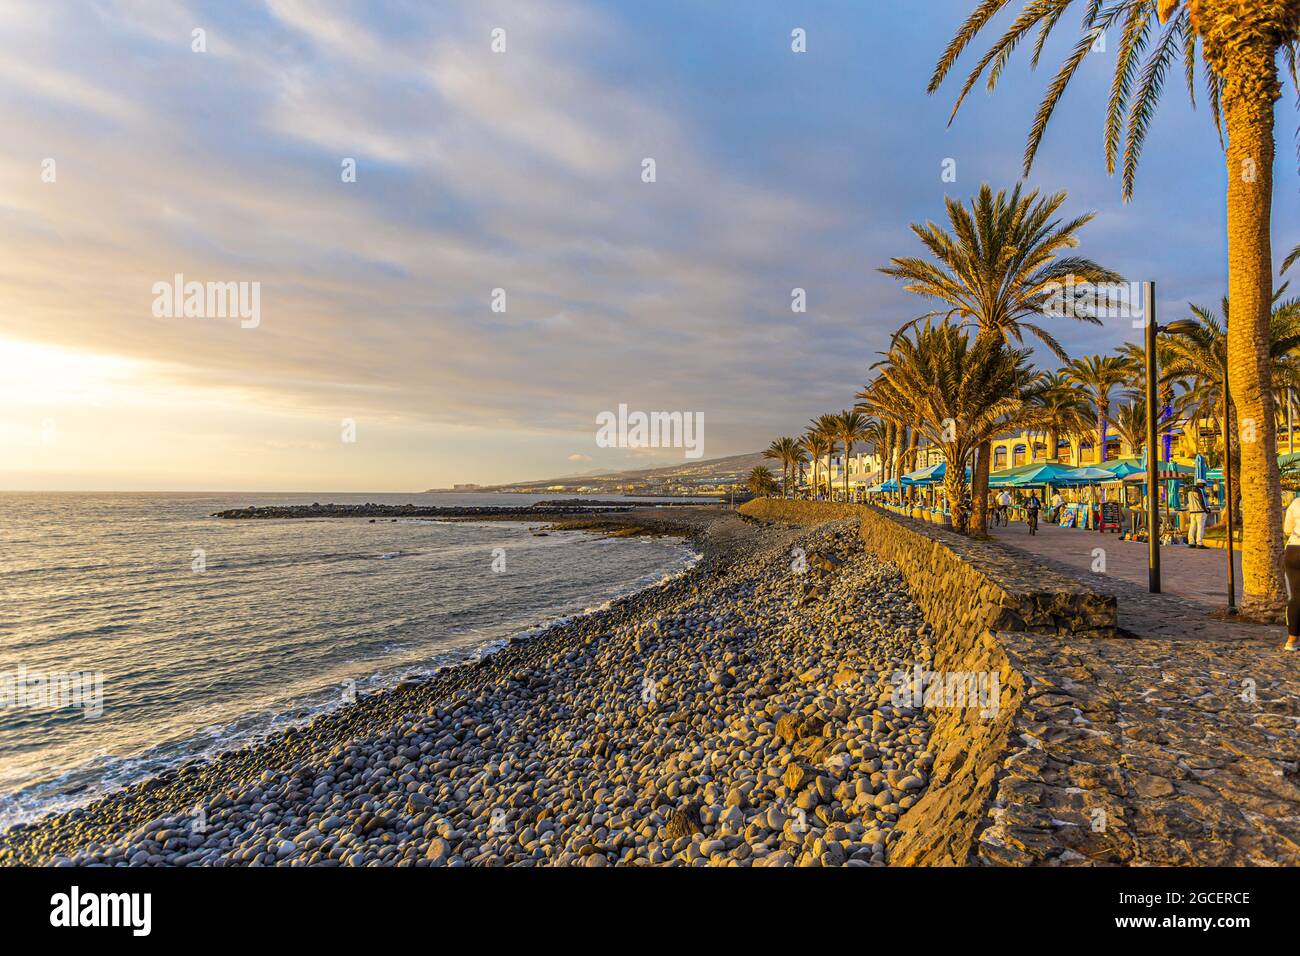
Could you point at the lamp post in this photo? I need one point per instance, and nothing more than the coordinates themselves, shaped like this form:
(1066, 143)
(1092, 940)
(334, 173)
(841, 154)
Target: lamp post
(1182, 327)
(1153, 459)
(1227, 496)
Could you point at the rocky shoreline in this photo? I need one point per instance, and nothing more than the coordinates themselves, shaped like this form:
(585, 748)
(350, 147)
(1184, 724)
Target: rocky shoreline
(741, 714)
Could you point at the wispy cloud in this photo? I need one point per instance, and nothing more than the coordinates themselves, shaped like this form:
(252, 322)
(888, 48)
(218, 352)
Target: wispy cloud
(479, 171)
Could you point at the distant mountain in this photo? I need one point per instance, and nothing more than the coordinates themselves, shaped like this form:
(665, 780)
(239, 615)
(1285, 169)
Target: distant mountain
(732, 469)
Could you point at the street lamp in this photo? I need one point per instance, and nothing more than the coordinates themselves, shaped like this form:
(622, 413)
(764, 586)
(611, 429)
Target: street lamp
(1181, 327)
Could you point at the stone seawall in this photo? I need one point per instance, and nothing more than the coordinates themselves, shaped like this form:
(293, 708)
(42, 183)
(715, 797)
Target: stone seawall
(980, 601)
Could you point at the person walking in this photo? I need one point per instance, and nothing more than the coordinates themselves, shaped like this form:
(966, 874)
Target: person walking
(1197, 511)
(1057, 504)
(1291, 567)
(1032, 507)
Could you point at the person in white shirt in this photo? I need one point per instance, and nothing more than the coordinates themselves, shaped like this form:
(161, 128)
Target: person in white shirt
(1197, 510)
(1291, 567)
(1004, 503)
(1057, 504)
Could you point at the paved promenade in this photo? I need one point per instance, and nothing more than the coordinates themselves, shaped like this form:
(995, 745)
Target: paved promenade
(1194, 582)
(1183, 743)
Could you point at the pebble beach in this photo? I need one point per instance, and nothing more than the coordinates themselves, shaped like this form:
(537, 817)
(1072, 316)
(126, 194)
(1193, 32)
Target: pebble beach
(741, 714)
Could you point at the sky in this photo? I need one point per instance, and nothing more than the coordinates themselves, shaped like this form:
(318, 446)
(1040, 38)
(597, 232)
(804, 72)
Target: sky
(499, 272)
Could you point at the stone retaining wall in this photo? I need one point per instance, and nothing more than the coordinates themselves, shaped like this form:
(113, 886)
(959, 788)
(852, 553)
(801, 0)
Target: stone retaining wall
(978, 599)
(964, 587)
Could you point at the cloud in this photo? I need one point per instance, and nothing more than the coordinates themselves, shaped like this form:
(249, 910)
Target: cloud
(579, 457)
(518, 171)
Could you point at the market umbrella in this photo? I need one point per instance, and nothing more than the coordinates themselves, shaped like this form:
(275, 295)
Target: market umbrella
(1122, 467)
(1086, 475)
(929, 474)
(1040, 473)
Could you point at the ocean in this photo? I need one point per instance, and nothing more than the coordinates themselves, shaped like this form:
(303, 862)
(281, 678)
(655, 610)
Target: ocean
(137, 632)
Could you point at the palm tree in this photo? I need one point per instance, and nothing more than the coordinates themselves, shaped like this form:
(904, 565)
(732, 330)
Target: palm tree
(1130, 421)
(761, 481)
(851, 426)
(874, 437)
(957, 392)
(1065, 412)
(798, 458)
(775, 452)
(1097, 375)
(1001, 266)
(1134, 357)
(828, 427)
(1291, 259)
(816, 445)
(1202, 358)
(787, 451)
(1239, 43)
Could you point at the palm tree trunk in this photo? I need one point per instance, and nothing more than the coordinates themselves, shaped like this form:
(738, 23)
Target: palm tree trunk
(848, 447)
(979, 490)
(1249, 90)
(1101, 432)
(954, 486)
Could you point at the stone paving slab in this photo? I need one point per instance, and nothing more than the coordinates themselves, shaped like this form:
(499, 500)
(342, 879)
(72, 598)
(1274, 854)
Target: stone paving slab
(1199, 575)
(1181, 612)
(1149, 752)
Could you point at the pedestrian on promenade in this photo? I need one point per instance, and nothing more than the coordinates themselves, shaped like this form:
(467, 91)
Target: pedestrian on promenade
(1197, 510)
(1291, 566)
(1057, 504)
(1032, 507)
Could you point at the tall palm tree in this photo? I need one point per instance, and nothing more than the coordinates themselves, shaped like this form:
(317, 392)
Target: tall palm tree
(775, 452)
(1130, 421)
(1240, 44)
(1098, 376)
(816, 444)
(786, 450)
(874, 437)
(1134, 357)
(1065, 412)
(1002, 264)
(828, 427)
(851, 426)
(798, 458)
(1202, 358)
(956, 391)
